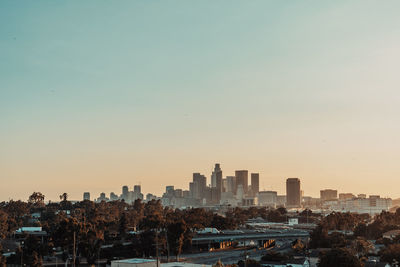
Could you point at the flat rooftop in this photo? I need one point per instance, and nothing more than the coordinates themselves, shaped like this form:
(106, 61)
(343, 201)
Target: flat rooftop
(135, 260)
(183, 264)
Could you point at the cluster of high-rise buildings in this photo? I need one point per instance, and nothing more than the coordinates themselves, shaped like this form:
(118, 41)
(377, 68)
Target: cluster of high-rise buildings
(235, 190)
(126, 195)
(230, 190)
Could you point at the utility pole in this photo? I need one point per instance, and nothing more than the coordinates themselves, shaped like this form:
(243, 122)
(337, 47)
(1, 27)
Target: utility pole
(22, 254)
(157, 246)
(245, 253)
(74, 252)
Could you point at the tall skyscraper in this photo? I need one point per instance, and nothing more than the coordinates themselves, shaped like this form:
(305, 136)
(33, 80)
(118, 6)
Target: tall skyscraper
(216, 176)
(293, 195)
(200, 182)
(137, 189)
(137, 193)
(169, 189)
(216, 182)
(86, 196)
(255, 183)
(242, 178)
(125, 192)
(113, 196)
(231, 184)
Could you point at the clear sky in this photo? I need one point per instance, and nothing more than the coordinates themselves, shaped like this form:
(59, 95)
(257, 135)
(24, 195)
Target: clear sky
(98, 94)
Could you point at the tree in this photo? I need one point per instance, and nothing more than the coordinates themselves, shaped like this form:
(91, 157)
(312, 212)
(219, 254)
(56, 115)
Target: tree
(36, 199)
(362, 246)
(298, 245)
(249, 263)
(361, 230)
(218, 264)
(338, 257)
(90, 246)
(64, 197)
(35, 260)
(2, 258)
(274, 256)
(122, 225)
(390, 253)
(175, 235)
(3, 224)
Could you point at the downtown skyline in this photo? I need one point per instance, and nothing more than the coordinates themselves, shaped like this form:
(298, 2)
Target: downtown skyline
(95, 95)
(280, 189)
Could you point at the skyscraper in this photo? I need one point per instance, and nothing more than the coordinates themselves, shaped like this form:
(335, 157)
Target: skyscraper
(255, 183)
(216, 183)
(137, 189)
(86, 196)
(231, 184)
(216, 176)
(125, 192)
(293, 195)
(200, 183)
(169, 189)
(242, 178)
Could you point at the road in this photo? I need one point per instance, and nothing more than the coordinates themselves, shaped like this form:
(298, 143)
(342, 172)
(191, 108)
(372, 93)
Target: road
(227, 256)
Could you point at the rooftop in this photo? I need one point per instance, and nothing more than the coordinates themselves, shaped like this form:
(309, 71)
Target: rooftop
(135, 260)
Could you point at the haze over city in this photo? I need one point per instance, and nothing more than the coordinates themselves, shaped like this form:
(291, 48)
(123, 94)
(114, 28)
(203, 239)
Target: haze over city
(95, 95)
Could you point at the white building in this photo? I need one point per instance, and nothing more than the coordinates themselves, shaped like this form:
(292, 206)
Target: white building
(372, 205)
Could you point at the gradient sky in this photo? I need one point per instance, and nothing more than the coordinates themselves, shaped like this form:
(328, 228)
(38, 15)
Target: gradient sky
(98, 94)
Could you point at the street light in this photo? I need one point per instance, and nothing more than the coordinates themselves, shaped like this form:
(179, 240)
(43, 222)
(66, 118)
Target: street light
(22, 253)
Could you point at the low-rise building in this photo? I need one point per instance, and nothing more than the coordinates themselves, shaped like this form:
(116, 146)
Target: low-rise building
(391, 234)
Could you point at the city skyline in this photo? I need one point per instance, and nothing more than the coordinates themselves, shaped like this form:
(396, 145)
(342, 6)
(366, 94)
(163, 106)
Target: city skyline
(208, 183)
(95, 95)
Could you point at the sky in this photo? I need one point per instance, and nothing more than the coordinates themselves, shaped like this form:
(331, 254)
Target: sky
(95, 95)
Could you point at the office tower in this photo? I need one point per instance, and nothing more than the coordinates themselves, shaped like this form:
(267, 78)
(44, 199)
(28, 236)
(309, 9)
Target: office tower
(102, 197)
(267, 198)
(328, 194)
(281, 200)
(178, 193)
(224, 185)
(240, 192)
(231, 184)
(242, 177)
(136, 194)
(346, 196)
(216, 183)
(216, 177)
(150, 197)
(255, 183)
(207, 197)
(137, 189)
(125, 192)
(86, 196)
(192, 189)
(186, 193)
(215, 195)
(201, 184)
(169, 190)
(113, 196)
(293, 195)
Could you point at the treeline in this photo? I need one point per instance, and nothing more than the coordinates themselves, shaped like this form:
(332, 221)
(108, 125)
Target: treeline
(354, 232)
(132, 230)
